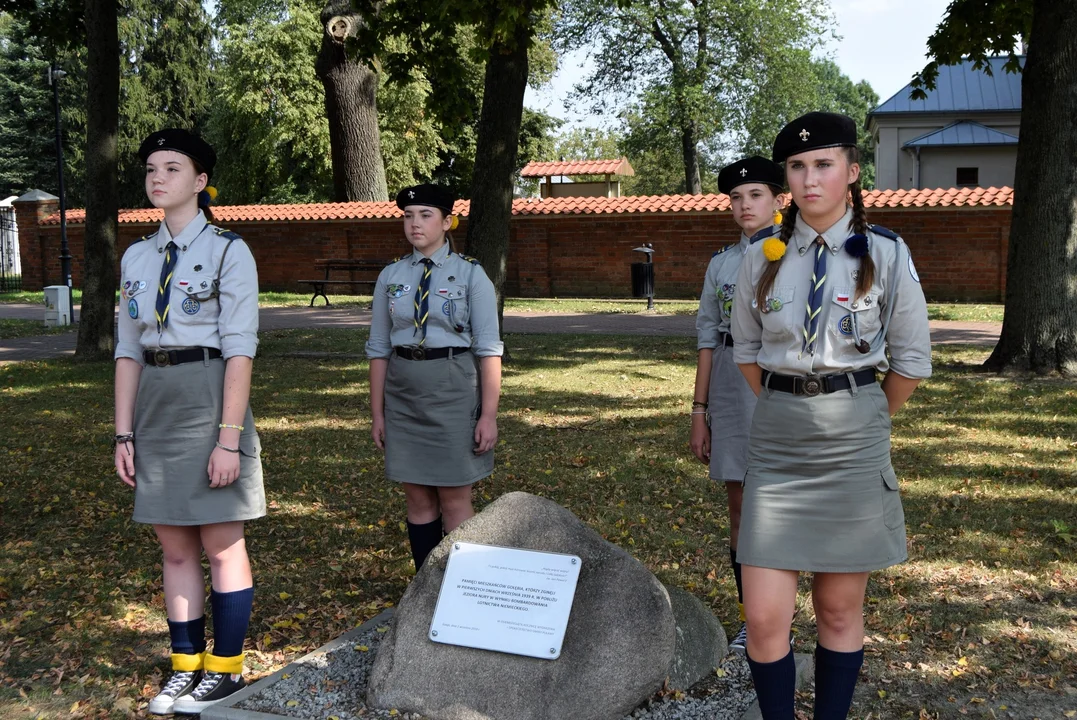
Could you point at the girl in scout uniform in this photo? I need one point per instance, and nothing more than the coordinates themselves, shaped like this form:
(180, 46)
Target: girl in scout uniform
(724, 403)
(185, 437)
(817, 310)
(435, 371)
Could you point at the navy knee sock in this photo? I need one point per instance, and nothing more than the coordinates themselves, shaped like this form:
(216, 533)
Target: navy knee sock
(424, 538)
(736, 575)
(835, 680)
(231, 615)
(188, 638)
(775, 683)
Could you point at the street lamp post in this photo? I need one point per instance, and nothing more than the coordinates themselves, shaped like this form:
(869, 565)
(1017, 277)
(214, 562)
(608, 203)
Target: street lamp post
(55, 74)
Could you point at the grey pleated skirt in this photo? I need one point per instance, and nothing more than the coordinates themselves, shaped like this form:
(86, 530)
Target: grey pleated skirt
(176, 416)
(820, 494)
(431, 409)
(731, 405)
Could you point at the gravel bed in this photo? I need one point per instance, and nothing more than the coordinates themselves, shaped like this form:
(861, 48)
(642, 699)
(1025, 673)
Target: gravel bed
(333, 685)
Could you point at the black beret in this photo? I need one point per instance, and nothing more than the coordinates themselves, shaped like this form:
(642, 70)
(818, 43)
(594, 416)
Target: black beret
(753, 169)
(814, 131)
(426, 194)
(183, 142)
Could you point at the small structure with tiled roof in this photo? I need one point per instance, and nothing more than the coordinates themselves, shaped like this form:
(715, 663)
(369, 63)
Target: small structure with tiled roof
(963, 134)
(610, 186)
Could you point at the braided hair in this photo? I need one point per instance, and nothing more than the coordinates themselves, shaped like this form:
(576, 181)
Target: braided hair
(766, 280)
(866, 276)
(203, 195)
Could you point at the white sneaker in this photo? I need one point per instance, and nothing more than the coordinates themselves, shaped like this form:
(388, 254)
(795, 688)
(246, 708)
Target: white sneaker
(180, 684)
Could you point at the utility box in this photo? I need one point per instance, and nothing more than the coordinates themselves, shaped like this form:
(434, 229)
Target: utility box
(57, 306)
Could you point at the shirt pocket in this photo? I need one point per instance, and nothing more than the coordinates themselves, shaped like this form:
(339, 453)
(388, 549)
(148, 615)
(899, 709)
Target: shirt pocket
(851, 316)
(135, 299)
(778, 314)
(455, 308)
(197, 287)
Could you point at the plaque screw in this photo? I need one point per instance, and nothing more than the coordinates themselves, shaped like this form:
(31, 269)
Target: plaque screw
(456, 546)
(573, 561)
(433, 633)
(553, 651)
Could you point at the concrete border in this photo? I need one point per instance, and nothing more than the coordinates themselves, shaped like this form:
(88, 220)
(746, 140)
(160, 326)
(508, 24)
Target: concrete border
(805, 672)
(225, 709)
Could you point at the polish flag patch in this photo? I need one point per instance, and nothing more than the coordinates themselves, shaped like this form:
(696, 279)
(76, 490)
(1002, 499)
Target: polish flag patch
(843, 298)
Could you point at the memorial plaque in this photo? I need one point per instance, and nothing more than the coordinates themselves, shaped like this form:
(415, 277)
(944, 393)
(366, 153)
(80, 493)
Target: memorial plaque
(506, 600)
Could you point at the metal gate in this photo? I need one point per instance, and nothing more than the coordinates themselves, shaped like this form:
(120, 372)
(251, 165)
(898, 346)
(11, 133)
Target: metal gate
(10, 268)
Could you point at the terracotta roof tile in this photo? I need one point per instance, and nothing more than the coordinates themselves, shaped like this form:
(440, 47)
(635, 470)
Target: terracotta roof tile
(225, 214)
(578, 167)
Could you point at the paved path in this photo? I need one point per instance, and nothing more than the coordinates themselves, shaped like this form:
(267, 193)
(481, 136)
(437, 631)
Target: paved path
(49, 346)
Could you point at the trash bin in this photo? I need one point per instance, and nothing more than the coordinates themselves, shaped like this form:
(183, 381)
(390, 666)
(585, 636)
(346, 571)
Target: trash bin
(643, 276)
(57, 306)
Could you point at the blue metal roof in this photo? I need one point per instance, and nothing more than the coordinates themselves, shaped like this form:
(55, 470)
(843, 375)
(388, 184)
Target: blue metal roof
(964, 132)
(959, 88)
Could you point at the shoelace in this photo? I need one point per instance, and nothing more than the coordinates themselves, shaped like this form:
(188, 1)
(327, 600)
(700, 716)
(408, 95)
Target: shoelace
(177, 682)
(209, 682)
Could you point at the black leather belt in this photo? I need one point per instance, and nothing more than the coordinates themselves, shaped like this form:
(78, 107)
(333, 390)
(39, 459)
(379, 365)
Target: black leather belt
(813, 385)
(728, 341)
(163, 358)
(418, 353)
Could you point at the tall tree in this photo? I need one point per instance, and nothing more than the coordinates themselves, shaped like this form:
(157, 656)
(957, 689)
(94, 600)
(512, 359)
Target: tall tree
(1039, 328)
(351, 105)
(699, 61)
(95, 339)
(504, 32)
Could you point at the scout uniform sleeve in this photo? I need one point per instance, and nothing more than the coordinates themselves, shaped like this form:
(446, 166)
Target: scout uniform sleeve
(128, 344)
(908, 334)
(378, 344)
(238, 321)
(485, 336)
(745, 323)
(708, 316)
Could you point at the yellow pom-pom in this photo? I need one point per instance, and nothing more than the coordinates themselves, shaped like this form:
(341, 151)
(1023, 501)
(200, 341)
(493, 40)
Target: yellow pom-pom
(455, 223)
(773, 249)
(212, 192)
(777, 218)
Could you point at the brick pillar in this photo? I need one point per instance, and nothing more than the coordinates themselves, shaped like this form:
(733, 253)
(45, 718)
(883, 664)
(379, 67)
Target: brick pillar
(30, 210)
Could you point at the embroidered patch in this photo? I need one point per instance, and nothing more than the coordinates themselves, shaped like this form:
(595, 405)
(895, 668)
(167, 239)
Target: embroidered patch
(446, 307)
(191, 306)
(394, 290)
(846, 325)
(842, 298)
(443, 291)
(774, 304)
(912, 270)
(132, 309)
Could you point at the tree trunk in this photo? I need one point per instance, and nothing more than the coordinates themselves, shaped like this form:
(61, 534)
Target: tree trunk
(1039, 329)
(495, 160)
(96, 323)
(690, 150)
(351, 105)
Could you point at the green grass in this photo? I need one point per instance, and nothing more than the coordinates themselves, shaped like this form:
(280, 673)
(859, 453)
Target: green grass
(983, 615)
(10, 329)
(36, 297)
(966, 312)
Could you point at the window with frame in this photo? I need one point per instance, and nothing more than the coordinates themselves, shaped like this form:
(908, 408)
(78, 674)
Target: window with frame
(968, 177)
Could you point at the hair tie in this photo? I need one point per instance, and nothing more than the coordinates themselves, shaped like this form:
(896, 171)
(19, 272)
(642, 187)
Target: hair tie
(857, 246)
(773, 249)
(207, 196)
(777, 217)
(455, 223)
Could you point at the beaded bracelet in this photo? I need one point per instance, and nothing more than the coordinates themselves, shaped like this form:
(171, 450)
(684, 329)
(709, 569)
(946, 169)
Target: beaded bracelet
(226, 426)
(227, 449)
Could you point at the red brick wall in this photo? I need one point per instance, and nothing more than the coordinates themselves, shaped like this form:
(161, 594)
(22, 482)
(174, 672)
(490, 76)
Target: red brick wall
(960, 252)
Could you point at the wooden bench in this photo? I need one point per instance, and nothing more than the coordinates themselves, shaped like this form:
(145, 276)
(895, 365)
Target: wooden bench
(371, 268)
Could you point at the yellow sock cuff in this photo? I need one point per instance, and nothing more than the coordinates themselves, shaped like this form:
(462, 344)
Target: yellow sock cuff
(188, 663)
(743, 617)
(230, 665)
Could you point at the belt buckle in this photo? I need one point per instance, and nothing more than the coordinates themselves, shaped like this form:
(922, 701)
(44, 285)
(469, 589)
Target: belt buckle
(160, 358)
(418, 353)
(812, 385)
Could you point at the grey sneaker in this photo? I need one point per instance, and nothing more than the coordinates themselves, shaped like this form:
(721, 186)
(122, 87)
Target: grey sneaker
(739, 643)
(213, 688)
(180, 684)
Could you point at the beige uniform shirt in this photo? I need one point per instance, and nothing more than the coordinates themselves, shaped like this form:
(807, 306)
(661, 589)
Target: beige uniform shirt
(719, 286)
(892, 315)
(199, 314)
(463, 307)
